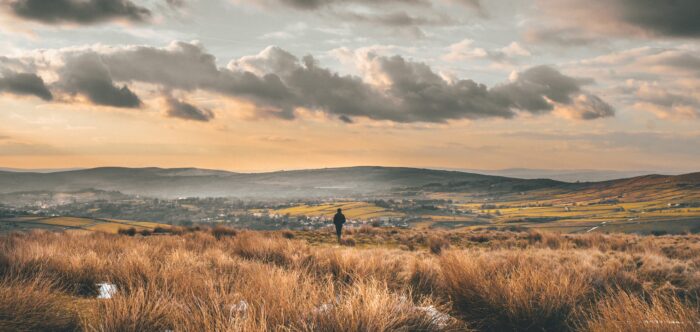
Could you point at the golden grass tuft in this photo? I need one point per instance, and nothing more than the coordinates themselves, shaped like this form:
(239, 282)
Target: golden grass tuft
(34, 305)
(625, 312)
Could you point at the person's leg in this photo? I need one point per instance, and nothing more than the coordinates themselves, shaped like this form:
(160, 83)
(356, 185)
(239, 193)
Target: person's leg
(338, 231)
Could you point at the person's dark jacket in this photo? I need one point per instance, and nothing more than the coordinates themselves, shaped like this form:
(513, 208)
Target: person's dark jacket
(339, 219)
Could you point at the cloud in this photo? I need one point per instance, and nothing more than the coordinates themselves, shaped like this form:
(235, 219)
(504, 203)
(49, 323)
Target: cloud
(670, 18)
(664, 82)
(402, 16)
(391, 88)
(175, 3)
(654, 143)
(180, 109)
(563, 36)
(676, 18)
(538, 88)
(672, 62)
(78, 11)
(586, 107)
(25, 84)
(465, 49)
(396, 19)
(665, 104)
(345, 119)
(87, 75)
(321, 4)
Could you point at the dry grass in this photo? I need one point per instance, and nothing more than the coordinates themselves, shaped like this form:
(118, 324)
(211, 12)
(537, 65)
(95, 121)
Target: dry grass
(625, 312)
(513, 290)
(33, 306)
(230, 280)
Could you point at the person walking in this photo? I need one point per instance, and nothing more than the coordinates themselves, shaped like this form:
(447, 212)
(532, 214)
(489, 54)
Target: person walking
(339, 220)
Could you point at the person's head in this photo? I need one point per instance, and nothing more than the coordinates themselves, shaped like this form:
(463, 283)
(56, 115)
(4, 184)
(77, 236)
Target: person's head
(340, 210)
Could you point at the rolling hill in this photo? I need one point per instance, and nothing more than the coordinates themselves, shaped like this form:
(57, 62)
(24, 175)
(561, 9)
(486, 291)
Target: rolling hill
(189, 182)
(332, 182)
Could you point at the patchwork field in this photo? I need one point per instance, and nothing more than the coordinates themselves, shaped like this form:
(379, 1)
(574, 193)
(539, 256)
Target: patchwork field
(644, 205)
(657, 214)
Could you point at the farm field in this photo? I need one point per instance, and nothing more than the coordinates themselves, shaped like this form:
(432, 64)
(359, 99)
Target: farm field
(597, 211)
(74, 223)
(352, 210)
(595, 216)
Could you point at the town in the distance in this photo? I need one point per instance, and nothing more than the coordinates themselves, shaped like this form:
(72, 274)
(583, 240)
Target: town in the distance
(111, 198)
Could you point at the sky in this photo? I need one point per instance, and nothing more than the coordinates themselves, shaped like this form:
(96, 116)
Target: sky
(262, 85)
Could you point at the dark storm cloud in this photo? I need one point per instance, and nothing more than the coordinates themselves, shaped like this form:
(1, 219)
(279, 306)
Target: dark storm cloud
(279, 83)
(672, 18)
(86, 74)
(25, 84)
(78, 11)
(669, 17)
(184, 110)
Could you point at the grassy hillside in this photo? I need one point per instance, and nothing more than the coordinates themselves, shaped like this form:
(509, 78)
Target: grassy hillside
(380, 280)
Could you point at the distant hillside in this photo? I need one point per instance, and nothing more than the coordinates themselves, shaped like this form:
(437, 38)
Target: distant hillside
(189, 182)
(575, 175)
(641, 188)
(317, 183)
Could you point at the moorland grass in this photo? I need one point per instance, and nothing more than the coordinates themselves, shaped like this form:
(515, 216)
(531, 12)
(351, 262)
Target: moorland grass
(393, 280)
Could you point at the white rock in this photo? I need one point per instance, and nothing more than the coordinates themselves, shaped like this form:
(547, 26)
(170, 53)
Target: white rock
(323, 308)
(106, 290)
(438, 318)
(241, 307)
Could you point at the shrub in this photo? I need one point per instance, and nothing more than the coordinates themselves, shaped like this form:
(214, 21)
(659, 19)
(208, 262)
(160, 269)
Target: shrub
(162, 230)
(438, 244)
(220, 232)
(131, 231)
(480, 238)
